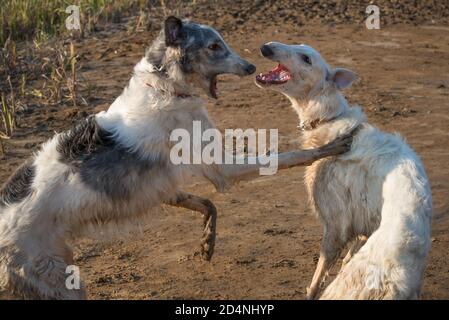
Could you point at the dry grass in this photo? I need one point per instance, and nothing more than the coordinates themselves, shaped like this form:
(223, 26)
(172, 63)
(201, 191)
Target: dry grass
(39, 73)
(61, 83)
(8, 116)
(26, 20)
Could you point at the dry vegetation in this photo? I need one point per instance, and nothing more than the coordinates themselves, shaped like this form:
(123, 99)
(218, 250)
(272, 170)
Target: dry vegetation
(52, 67)
(25, 20)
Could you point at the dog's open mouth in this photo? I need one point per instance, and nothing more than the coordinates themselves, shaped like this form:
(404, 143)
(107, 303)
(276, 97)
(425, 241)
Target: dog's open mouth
(278, 75)
(213, 87)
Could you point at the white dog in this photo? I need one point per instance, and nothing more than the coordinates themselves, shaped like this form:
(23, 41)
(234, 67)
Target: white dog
(378, 190)
(114, 168)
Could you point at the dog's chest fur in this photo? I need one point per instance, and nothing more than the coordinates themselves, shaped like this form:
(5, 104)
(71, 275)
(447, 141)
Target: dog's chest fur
(320, 136)
(338, 186)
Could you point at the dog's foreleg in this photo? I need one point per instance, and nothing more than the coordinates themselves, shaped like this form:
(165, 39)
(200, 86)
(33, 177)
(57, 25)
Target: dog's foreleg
(209, 212)
(252, 165)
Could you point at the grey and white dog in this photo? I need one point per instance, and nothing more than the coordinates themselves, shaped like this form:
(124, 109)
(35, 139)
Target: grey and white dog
(113, 169)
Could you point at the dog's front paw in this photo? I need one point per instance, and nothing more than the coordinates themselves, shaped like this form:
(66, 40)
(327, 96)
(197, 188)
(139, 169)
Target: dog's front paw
(208, 244)
(206, 252)
(338, 146)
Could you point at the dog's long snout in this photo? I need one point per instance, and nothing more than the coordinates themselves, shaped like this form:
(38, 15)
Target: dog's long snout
(266, 50)
(250, 69)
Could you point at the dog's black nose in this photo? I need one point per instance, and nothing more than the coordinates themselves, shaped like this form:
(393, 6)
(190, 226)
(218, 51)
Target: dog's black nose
(266, 50)
(250, 69)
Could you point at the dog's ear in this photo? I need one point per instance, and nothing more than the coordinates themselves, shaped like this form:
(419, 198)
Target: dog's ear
(343, 78)
(172, 29)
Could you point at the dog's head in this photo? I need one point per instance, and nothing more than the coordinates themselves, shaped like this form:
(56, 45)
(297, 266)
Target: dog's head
(301, 72)
(196, 53)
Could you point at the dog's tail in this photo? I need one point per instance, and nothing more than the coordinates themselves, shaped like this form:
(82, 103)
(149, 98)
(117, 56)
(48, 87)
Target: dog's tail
(391, 263)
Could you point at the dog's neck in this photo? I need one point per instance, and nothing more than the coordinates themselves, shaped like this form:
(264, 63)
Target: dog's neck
(324, 117)
(149, 109)
(167, 81)
(312, 111)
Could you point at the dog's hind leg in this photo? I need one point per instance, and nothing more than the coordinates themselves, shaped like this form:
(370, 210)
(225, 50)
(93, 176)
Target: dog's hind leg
(44, 277)
(355, 246)
(331, 247)
(209, 212)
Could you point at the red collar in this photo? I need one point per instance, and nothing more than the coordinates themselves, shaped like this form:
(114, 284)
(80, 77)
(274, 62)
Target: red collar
(179, 95)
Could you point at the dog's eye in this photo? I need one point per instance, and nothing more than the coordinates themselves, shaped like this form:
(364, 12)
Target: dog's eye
(214, 47)
(306, 59)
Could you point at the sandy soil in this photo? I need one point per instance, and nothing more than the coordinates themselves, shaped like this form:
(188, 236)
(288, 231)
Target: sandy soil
(268, 240)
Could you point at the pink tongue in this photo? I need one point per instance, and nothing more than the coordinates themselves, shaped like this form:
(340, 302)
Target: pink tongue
(279, 68)
(276, 72)
(280, 73)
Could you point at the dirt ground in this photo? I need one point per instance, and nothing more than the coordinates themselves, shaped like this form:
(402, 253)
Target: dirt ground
(268, 240)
